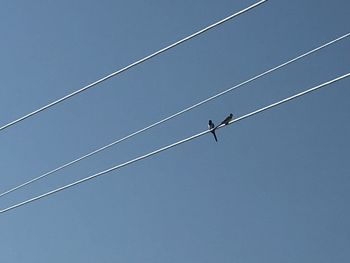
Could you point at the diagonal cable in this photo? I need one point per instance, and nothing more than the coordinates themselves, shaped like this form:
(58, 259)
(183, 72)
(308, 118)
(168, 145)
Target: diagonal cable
(174, 115)
(130, 66)
(173, 145)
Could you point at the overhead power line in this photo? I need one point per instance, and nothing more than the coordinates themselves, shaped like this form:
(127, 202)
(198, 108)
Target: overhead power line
(130, 66)
(173, 145)
(174, 115)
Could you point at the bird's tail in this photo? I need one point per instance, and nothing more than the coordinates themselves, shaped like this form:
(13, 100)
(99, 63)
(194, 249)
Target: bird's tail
(213, 132)
(217, 126)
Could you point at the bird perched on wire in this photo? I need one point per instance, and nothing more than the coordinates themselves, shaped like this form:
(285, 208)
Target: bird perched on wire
(211, 127)
(226, 120)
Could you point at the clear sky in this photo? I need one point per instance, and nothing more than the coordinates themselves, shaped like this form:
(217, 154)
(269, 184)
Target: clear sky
(275, 188)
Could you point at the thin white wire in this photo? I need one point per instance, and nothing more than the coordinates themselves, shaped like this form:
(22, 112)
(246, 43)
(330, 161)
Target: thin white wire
(173, 145)
(131, 65)
(174, 115)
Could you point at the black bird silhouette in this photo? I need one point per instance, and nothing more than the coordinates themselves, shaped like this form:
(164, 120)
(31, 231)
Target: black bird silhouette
(211, 127)
(226, 120)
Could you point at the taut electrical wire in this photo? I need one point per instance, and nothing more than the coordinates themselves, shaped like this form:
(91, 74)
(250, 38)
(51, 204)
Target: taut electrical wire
(130, 66)
(173, 145)
(174, 115)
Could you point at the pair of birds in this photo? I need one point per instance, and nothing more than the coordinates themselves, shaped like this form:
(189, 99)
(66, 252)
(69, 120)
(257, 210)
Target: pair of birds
(212, 127)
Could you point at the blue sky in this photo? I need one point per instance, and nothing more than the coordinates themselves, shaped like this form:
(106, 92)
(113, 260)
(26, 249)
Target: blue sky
(275, 188)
